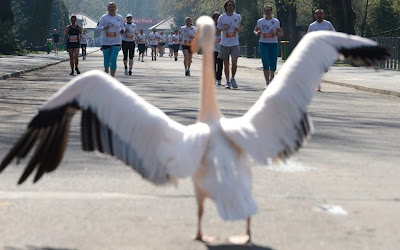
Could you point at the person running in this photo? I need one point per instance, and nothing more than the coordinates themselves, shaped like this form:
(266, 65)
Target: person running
(188, 31)
(56, 41)
(320, 24)
(111, 25)
(84, 41)
(73, 32)
(163, 40)
(154, 38)
(141, 40)
(128, 43)
(219, 63)
(176, 40)
(268, 29)
(170, 44)
(230, 24)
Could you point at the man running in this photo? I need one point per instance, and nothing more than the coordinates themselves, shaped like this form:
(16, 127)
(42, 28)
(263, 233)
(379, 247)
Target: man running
(128, 43)
(170, 44)
(230, 24)
(188, 31)
(56, 41)
(163, 40)
(141, 40)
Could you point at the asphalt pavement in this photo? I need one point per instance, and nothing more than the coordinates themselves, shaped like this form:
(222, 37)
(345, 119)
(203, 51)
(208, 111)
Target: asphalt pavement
(379, 81)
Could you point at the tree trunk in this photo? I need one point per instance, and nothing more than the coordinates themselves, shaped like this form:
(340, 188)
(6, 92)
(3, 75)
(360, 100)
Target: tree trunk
(7, 37)
(287, 15)
(40, 22)
(248, 11)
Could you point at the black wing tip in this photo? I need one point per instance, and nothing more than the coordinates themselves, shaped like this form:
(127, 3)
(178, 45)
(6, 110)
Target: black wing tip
(365, 55)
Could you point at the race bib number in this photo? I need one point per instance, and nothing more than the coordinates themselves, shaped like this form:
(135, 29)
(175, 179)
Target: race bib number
(218, 40)
(111, 34)
(73, 39)
(268, 35)
(230, 34)
(129, 36)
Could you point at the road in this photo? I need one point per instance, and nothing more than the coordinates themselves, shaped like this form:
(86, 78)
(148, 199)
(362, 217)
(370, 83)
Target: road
(341, 191)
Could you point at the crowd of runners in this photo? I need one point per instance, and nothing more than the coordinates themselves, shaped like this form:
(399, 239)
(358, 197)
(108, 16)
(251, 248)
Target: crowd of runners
(119, 33)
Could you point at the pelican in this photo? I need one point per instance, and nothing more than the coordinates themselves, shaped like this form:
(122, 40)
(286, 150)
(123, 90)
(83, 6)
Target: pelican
(216, 152)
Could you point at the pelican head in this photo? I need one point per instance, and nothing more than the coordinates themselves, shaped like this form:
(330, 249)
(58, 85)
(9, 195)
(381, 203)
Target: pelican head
(205, 33)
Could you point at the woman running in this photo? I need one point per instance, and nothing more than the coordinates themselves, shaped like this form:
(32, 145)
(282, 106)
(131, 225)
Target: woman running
(170, 44)
(111, 25)
(188, 32)
(176, 40)
(154, 38)
(141, 40)
(73, 32)
(84, 40)
(128, 43)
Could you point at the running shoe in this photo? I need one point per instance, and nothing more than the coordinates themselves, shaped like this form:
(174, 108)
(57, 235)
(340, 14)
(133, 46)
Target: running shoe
(219, 82)
(188, 72)
(77, 71)
(228, 85)
(72, 73)
(176, 59)
(126, 71)
(130, 72)
(234, 84)
(142, 60)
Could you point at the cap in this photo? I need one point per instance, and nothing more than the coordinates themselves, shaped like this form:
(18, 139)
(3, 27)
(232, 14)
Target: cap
(129, 15)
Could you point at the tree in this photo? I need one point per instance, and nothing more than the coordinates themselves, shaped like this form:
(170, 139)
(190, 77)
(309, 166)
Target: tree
(7, 37)
(247, 10)
(385, 16)
(39, 26)
(339, 12)
(287, 15)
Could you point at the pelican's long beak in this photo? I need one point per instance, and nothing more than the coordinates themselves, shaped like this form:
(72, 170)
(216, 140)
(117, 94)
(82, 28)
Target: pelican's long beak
(195, 46)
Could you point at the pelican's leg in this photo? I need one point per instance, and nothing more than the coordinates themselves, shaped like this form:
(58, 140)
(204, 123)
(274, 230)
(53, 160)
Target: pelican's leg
(200, 197)
(200, 210)
(244, 238)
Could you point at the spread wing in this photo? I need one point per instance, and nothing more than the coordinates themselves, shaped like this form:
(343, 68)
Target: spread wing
(115, 121)
(277, 125)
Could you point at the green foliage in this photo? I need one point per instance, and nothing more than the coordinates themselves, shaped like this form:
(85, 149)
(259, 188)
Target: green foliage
(59, 16)
(384, 16)
(7, 37)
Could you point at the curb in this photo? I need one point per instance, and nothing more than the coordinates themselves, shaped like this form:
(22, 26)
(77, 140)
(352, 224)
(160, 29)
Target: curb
(373, 90)
(18, 73)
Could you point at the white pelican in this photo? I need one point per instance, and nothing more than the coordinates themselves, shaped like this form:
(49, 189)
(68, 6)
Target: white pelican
(216, 152)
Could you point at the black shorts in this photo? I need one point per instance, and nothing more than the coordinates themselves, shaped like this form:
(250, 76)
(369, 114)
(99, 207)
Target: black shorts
(175, 47)
(83, 45)
(186, 47)
(141, 47)
(128, 47)
(162, 44)
(73, 45)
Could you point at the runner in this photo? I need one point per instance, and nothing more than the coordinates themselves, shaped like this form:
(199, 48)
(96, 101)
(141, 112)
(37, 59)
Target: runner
(268, 29)
(219, 63)
(73, 32)
(163, 40)
(56, 41)
(111, 25)
(84, 40)
(170, 44)
(176, 40)
(154, 39)
(141, 40)
(128, 43)
(230, 24)
(188, 31)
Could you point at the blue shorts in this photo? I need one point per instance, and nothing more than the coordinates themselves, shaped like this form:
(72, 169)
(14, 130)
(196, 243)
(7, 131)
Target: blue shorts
(269, 55)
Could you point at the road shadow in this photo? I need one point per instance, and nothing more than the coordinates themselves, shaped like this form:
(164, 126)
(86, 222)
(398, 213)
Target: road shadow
(29, 247)
(237, 247)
